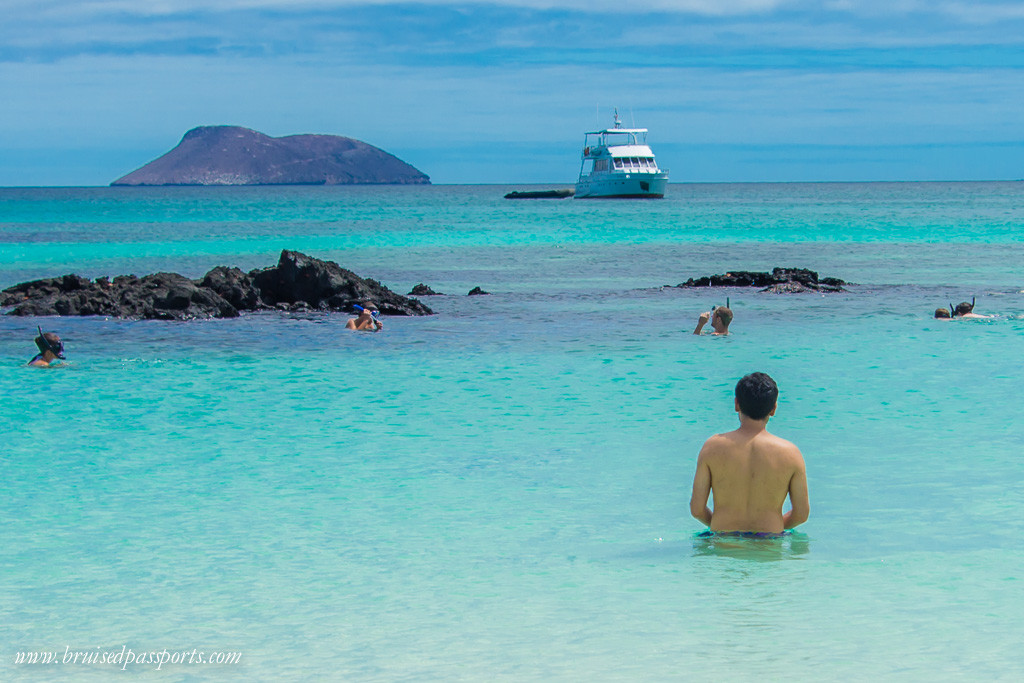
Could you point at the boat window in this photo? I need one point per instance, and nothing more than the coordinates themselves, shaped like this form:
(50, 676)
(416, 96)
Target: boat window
(601, 165)
(618, 163)
(635, 162)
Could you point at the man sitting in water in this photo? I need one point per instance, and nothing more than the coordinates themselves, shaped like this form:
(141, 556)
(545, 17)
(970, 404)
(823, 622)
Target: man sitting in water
(751, 471)
(720, 318)
(366, 320)
(51, 350)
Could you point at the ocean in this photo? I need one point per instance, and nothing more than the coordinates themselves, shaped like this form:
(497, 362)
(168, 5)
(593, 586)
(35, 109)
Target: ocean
(500, 491)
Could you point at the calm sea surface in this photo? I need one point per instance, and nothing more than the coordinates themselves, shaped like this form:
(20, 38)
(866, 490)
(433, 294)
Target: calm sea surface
(500, 491)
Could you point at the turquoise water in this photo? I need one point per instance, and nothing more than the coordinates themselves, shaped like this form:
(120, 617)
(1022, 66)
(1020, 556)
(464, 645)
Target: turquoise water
(501, 491)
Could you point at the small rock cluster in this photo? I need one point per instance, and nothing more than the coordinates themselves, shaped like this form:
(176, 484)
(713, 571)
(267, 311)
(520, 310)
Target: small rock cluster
(779, 281)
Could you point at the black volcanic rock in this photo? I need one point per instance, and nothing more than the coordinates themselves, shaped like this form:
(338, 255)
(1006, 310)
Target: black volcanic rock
(423, 290)
(232, 155)
(324, 285)
(476, 291)
(236, 287)
(161, 296)
(297, 283)
(779, 281)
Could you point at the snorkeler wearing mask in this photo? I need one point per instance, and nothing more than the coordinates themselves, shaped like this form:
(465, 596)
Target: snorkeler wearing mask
(51, 350)
(368, 318)
(966, 310)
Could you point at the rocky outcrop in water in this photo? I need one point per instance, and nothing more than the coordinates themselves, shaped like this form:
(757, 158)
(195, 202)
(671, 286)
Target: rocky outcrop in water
(231, 155)
(297, 283)
(779, 281)
(423, 290)
(477, 291)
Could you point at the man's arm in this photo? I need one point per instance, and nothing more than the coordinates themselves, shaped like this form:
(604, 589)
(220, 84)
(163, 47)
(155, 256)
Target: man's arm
(702, 321)
(798, 498)
(701, 490)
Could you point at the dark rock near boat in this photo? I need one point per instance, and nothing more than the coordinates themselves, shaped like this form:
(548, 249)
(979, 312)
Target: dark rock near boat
(423, 290)
(232, 155)
(779, 281)
(297, 283)
(476, 291)
(540, 194)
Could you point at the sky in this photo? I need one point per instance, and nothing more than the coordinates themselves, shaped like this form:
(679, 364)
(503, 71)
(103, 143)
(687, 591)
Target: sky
(501, 91)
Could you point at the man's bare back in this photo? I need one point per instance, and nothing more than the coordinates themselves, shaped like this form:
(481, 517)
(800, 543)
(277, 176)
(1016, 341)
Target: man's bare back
(750, 472)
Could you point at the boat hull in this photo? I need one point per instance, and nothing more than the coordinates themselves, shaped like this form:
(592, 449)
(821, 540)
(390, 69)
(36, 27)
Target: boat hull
(622, 186)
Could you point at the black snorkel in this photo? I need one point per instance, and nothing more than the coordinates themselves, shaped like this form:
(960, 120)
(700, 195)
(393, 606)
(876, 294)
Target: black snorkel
(57, 351)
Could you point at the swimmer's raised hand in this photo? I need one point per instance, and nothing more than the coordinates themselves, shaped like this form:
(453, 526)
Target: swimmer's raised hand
(702, 321)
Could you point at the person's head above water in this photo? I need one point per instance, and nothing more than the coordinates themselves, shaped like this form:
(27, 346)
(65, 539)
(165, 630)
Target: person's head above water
(941, 313)
(756, 396)
(721, 316)
(49, 343)
(963, 308)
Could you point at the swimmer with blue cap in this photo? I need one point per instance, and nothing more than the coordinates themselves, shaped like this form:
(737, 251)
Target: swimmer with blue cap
(368, 318)
(51, 350)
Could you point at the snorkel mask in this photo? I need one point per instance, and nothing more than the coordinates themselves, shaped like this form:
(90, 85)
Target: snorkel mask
(373, 311)
(44, 344)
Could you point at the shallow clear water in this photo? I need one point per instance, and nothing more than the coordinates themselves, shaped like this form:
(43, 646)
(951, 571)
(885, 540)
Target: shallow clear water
(501, 490)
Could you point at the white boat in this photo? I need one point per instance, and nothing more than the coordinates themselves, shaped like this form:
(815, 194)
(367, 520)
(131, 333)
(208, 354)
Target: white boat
(618, 163)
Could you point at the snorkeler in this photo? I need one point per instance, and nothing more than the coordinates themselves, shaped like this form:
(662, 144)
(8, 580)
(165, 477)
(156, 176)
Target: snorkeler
(51, 350)
(720, 317)
(965, 310)
(368, 318)
(942, 313)
(750, 471)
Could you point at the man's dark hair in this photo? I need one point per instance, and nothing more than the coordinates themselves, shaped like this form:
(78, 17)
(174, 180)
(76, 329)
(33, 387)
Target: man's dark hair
(963, 308)
(757, 394)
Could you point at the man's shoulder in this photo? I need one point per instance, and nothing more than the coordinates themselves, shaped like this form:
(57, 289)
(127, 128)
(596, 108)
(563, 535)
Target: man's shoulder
(783, 446)
(717, 444)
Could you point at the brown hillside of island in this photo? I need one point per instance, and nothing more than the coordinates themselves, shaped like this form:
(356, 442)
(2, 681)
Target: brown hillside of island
(231, 155)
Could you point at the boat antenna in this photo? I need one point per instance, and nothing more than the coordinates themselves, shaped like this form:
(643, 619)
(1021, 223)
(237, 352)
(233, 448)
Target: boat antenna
(632, 118)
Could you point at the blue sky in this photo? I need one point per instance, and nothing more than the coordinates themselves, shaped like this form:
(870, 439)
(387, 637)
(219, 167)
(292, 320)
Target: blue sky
(495, 92)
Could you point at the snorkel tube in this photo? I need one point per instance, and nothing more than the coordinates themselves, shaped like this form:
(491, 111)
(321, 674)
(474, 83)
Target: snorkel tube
(57, 351)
